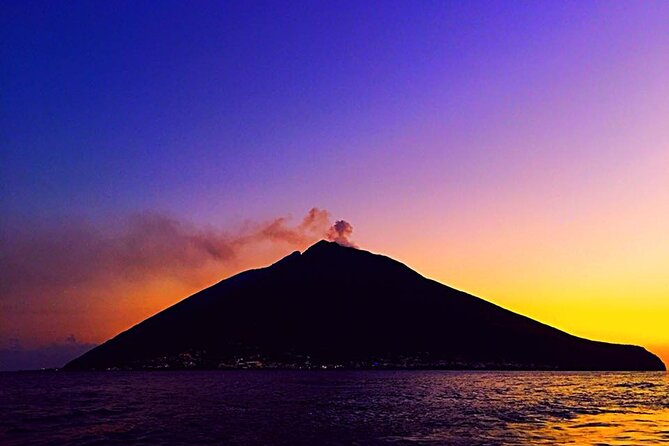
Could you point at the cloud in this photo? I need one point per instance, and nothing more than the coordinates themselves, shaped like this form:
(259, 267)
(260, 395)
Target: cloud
(54, 355)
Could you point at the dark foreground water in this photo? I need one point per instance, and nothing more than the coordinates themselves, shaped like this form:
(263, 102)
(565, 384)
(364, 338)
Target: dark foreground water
(271, 407)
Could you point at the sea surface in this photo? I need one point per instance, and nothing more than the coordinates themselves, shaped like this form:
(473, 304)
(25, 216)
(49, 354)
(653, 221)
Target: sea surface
(333, 407)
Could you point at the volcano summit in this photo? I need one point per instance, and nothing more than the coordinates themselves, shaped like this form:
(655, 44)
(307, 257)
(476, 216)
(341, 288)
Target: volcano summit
(337, 306)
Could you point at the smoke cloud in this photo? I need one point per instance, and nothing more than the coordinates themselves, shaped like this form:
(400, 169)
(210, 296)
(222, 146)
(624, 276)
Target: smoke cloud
(340, 232)
(75, 253)
(77, 278)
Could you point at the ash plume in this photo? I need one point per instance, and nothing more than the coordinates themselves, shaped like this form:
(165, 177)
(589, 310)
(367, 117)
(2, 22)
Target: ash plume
(340, 232)
(54, 272)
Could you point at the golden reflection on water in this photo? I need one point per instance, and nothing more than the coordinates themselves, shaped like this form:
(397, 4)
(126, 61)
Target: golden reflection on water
(457, 408)
(610, 428)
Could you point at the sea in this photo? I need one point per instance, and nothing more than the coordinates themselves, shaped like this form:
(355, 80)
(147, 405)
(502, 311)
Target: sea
(334, 407)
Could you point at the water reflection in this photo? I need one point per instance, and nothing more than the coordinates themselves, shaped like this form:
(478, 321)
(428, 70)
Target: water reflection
(610, 428)
(339, 407)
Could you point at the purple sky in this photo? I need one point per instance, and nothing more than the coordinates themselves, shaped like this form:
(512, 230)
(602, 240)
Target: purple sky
(472, 140)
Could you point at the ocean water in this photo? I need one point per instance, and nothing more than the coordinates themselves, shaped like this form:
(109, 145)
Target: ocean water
(333, 407)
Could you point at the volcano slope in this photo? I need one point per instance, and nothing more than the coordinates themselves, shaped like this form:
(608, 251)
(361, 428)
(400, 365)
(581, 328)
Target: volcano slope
(335, 306)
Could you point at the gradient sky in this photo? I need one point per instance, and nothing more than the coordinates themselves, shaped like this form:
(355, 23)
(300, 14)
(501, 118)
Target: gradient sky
(515, 150)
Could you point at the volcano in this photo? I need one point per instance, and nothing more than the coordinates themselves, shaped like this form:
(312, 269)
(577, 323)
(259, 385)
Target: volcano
(340, 307)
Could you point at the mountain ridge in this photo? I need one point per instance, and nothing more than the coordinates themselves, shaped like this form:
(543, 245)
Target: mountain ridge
(342, 307)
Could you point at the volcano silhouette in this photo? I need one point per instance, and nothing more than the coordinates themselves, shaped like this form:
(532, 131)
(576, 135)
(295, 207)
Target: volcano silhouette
(334, 306)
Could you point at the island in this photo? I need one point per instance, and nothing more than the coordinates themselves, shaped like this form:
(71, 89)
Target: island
(339, 307)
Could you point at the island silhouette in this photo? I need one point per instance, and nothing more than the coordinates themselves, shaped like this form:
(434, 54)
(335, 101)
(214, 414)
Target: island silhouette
(335, 306)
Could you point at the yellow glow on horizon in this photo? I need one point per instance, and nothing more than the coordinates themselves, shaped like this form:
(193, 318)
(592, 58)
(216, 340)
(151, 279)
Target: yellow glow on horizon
(609, 285)
(595, 267)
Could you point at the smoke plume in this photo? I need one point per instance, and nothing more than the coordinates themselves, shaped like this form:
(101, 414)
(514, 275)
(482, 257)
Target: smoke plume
(340, 232)
(75, 277)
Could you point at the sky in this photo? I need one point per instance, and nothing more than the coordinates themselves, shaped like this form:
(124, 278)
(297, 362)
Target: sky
(515, 150)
